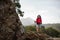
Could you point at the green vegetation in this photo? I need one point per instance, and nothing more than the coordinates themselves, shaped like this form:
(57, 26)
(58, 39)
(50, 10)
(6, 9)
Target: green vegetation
(52, 32)
(30, 28)
(49, 31)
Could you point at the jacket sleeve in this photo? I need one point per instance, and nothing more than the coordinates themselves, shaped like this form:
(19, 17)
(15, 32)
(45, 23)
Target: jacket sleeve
(41, 20)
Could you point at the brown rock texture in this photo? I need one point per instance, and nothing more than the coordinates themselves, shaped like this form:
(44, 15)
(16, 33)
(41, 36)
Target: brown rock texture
(9, 21)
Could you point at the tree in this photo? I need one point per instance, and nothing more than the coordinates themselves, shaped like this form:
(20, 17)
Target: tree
(10, 25)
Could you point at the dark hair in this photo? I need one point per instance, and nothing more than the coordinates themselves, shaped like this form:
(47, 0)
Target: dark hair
(38, 16)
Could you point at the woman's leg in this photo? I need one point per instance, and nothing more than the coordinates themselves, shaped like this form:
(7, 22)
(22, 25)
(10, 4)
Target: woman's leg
(37, 28)
(40, 28)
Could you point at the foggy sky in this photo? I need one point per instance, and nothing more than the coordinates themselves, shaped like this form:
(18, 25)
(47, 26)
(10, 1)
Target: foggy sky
(48, 9)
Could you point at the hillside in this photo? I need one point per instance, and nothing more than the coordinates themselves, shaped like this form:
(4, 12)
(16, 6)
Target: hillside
(54, 26)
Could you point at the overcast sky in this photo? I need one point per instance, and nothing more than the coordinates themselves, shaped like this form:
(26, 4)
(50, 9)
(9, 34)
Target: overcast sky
(48, 9)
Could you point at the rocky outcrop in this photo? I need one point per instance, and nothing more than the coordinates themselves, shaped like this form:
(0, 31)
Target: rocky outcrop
(10, 25)
(36, 36)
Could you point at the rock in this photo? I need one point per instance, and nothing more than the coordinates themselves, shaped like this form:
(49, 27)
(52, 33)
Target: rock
(10, 25)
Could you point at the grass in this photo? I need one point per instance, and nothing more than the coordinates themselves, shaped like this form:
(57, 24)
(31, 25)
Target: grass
(50, 31)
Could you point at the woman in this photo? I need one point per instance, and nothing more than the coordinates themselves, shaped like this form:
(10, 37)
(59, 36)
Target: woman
(38, 23)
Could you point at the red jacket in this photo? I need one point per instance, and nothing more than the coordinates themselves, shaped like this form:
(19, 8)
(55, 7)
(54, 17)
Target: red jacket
(39, 20)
